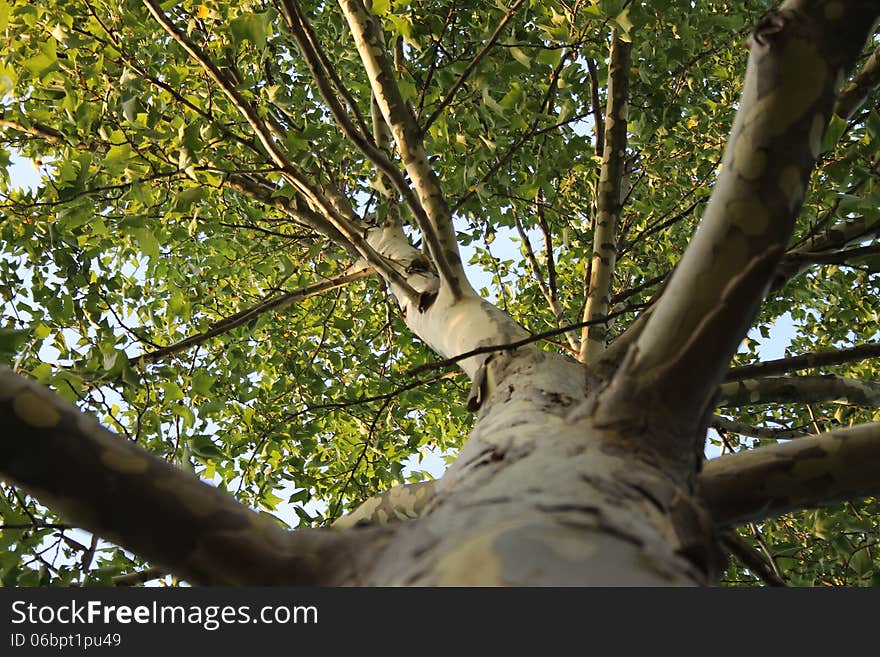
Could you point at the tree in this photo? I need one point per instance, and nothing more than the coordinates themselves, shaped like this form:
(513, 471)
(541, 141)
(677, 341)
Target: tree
(244, 258)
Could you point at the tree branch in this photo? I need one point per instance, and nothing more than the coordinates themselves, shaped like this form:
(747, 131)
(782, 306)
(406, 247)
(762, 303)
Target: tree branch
(466, 73)
(349, 226)
(321, 67)
(443, 246)
(797, 54)
(768, 481)
(799, 389)
(397, 503)
(857, 90)
(841, 235)
(36, 129)
(723, 424)
(797, 262)
(101, 482)
(321, 70)
(357, 248)
(235, 320)
(548, 292)
(751, 559)
(596, 101)
(532, 131)
(508, 346)
(804, 361)
(610, 200)
(265, 193)
(224, 81)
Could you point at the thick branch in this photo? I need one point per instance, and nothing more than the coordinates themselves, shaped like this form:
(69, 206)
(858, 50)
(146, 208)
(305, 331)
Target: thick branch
(805, 361)
(799, 389)
(857, 90)
(610, 200)
(834, 466)
(235, 320)
(797, 55)
(322, 73)
(101, 482)
(408, 137)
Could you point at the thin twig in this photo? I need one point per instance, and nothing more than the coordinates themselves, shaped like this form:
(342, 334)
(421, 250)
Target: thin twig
(466, 73)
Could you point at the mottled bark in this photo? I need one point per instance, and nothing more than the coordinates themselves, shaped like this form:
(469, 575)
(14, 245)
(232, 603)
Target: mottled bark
(799, 389)
(799, 54)
(542, 496)
(609, 200)
(101, 482)
(833, 466)
(437, 229)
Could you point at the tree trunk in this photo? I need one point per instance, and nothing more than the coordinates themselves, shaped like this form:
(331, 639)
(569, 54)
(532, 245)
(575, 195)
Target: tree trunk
(541, 495)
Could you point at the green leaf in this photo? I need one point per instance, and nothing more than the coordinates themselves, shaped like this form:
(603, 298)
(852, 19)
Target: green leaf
(299, 496)
(521, 57)
(131, 108)
(202, 383)
(146, 241)
(873, 125)
(205, 448)
(11, 342)
(172, 391)
(836, 127)
(253, 27)
(185, 413)
(381, 7)
(625, 25)
(185, 199)
(42, 372)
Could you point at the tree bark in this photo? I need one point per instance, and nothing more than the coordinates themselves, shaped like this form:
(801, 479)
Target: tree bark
(540, 495)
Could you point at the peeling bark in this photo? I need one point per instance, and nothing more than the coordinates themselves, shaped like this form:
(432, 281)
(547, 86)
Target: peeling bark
(799, 389)
(609, 202)
(799, 54)
(450, 324)
(539, 494)
(103, 483)
(756, 484)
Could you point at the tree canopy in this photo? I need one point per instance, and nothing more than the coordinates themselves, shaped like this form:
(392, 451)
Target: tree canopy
(195, 268)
